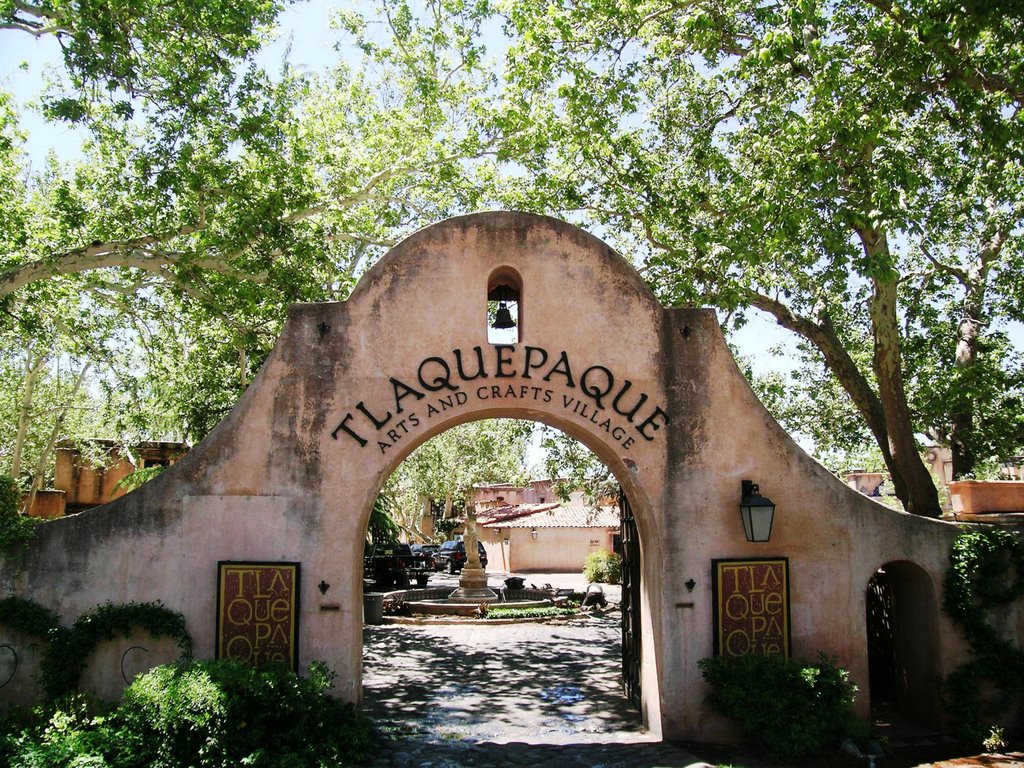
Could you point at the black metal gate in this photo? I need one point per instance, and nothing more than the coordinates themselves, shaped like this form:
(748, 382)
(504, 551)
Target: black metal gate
(630, 552)
(881, 646)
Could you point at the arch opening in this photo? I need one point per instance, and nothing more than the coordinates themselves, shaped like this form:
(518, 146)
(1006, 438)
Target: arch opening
(504, 306)
(525, 534)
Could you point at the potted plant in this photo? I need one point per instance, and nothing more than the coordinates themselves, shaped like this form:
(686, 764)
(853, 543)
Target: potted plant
(975, 497)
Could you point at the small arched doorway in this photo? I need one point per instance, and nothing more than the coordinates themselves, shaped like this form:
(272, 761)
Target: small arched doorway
(901, 619)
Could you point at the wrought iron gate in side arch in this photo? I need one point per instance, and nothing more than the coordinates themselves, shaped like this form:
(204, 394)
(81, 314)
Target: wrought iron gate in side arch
(630, 552)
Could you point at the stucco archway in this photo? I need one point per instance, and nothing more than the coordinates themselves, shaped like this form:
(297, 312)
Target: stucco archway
(351, 387)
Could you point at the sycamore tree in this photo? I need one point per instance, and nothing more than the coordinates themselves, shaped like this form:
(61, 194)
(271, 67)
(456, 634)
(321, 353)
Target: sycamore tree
(852, 169)
(446, 467)
(178, 56)
(210, 194)
(572, 466)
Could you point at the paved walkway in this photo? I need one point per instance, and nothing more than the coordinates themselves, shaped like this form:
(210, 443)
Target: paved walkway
(536, 694)
(506, 695)
(514, 694)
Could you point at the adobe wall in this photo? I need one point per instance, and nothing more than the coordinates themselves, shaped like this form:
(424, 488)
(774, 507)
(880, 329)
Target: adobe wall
(352, 387)
(553, 550)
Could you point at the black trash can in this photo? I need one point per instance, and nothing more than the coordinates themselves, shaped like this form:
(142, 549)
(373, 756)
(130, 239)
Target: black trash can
(373, 607)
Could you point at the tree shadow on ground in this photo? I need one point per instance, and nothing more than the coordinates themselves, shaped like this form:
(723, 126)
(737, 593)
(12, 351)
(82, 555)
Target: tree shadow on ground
(498, 681)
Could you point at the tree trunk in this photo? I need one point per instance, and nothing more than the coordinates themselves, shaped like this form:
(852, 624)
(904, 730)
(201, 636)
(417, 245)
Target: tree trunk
(961, 431)
(821, 333)
(975, 283)
(920, 496)
(32, 369)
(51, 443)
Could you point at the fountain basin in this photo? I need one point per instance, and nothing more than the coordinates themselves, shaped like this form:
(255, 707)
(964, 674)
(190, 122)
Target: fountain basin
(437, 602)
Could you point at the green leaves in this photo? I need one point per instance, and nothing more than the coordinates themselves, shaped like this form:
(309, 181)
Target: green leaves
(985, 576)
(200, 713)
(791, 708)
(571, 466)
(446, 467)
(800, 158)
(210, 195)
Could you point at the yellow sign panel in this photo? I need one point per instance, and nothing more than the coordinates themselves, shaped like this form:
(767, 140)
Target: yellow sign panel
(751, 607)
(257, 612)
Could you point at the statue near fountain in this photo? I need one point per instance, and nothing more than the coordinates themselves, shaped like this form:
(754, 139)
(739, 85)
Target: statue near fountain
(473, 579)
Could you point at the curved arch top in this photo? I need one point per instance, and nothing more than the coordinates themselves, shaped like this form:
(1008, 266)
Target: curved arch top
(507, 238)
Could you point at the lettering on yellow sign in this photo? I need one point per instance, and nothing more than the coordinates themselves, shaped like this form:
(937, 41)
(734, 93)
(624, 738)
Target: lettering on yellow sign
(751, 607)
(257, 612)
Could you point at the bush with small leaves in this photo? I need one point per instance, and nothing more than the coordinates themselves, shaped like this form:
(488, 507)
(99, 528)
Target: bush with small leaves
(220, 713)
(16, 529)
(790, 708)
(202, 714)
(603, 567)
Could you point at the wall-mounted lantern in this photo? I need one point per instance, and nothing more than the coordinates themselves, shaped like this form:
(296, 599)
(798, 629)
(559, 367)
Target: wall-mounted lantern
(757, 512)
(533, 534)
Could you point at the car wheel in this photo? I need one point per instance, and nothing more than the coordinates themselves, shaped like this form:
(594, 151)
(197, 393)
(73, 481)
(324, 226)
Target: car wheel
(451, 567)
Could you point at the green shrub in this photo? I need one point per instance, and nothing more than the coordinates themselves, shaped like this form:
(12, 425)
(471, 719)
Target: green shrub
(790, 708)
(537, 612)
(55, 736)
(603, 566)
(202, 714)
(16, 529)
(221, 713)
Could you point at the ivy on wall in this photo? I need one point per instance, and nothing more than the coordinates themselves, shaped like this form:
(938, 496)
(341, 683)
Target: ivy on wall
(28, 617)
(67, 649)
(986, 575)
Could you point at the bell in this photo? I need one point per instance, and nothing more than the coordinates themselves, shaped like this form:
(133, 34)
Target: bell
(503, 318)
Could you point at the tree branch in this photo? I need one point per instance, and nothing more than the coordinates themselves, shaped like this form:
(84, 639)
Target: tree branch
(821, 333)
(968, 73)
(34, 10)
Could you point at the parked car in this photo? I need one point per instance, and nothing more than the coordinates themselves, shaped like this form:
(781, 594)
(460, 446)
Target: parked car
(394, 565)
(451, 556)
(427, 552)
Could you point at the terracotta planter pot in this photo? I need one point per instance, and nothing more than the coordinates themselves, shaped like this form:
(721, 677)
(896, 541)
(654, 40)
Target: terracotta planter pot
(975, 497)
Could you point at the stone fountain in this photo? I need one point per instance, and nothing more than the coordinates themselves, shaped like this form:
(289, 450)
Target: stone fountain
(473, 580)
(472, 591)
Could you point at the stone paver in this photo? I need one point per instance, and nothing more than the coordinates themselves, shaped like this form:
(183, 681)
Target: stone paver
(483, 695)
(507, 695)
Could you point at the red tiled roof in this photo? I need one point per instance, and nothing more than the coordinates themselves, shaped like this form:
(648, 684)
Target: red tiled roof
(550, 516)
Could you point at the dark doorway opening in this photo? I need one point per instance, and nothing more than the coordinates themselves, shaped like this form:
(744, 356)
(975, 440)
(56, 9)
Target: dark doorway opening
(900, 610)
(881, 653)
